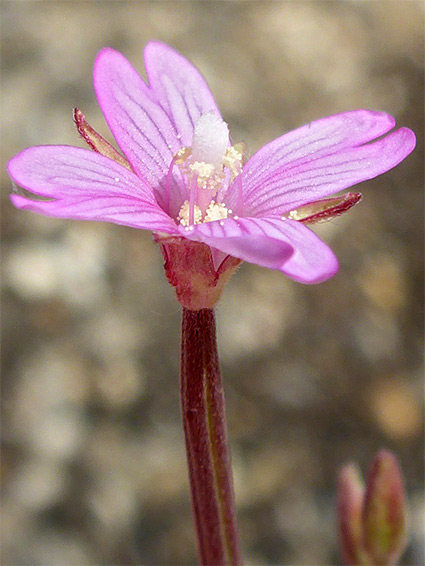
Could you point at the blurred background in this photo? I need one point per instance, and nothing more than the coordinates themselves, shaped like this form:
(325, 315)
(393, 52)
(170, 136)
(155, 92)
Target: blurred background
(93, 462)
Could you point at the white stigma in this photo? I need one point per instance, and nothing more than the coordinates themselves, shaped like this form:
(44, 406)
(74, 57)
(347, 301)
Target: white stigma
(210, 139)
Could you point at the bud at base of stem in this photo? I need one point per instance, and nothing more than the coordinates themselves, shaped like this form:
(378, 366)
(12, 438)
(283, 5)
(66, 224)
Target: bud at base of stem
(372, 519)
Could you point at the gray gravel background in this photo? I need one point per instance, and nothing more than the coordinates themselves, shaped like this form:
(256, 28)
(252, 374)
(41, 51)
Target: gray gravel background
(93, 461)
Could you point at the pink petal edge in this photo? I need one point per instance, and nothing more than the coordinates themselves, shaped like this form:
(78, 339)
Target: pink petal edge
(85, 185)
(47, 169)
(321, 159)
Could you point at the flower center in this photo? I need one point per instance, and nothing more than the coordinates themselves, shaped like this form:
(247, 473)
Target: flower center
(206, 166)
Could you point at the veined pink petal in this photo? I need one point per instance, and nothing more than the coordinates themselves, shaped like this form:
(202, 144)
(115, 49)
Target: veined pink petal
(321, 159)
(112, 208)
(85, 185)
(141, 127)
(62, 170)
(178, 87)
(285, 245)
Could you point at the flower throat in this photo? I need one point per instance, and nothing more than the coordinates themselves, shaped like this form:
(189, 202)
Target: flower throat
(204, 167)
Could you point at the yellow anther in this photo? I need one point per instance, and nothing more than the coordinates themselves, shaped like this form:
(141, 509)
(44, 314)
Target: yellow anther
(184, 214)
(233, 159)
(216, 211)
(182, 154)
(203, 169)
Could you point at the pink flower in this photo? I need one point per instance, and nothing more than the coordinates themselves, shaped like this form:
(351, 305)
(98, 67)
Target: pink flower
(182, 179)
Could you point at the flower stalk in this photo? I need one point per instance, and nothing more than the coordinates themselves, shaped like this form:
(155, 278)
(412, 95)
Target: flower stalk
(204, 424)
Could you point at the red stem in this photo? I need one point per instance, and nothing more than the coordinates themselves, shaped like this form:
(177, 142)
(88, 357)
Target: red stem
(204, 423)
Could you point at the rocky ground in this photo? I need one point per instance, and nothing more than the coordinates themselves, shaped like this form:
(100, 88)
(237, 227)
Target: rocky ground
(93, 461)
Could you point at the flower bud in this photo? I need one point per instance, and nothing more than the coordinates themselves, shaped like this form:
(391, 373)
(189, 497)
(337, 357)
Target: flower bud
(372, 520)
(349, 511)
(385, 510)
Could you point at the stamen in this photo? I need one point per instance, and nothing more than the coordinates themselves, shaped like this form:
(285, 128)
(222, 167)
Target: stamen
(184, 214)
(203, 171)
(182, 154)
(193, 199)
(216, 211)
(233, 159)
